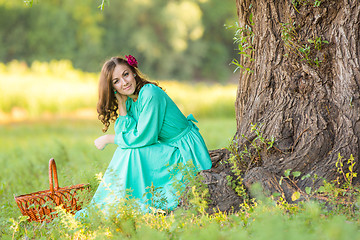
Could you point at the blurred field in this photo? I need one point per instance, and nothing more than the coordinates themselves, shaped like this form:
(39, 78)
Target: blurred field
(55, 88)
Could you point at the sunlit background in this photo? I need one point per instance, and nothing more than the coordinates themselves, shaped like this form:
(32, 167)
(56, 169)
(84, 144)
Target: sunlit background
(179, 40)
(51, 54)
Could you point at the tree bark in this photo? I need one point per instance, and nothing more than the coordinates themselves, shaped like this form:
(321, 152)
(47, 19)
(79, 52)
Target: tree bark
(308, 100)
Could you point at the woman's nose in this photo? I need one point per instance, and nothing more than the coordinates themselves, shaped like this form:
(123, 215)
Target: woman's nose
(123, 81)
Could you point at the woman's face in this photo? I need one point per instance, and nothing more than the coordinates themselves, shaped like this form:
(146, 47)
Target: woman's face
(123, 80)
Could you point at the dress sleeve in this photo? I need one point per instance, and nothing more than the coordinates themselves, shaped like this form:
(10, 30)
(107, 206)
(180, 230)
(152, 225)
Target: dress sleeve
(124, 123)
(144, 132)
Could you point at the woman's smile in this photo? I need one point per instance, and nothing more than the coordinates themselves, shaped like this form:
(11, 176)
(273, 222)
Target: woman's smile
(127, 87)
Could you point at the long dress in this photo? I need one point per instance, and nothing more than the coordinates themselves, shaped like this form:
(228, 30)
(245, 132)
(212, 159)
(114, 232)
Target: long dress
(153, 138)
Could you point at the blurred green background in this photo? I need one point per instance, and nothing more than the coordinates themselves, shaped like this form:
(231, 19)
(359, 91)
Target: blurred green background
(181, 40)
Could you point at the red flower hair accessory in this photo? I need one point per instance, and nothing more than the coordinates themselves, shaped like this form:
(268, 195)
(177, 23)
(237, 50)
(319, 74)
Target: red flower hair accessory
(131, 60)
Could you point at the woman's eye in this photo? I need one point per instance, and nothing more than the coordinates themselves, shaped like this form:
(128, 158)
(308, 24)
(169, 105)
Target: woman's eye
(126, 74)
(116, 81)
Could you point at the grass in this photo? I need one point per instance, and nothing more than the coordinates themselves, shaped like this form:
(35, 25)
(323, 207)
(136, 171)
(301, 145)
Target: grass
(27, 147)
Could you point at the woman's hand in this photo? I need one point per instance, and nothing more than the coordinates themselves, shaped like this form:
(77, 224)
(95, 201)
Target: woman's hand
(102, 141)
(121, 103)
(121, 98)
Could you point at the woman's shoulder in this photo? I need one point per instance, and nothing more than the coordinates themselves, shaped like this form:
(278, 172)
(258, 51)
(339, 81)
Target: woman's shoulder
(151, 90)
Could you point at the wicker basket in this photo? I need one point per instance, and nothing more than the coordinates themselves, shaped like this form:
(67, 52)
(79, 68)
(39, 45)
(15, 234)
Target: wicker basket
(39, 206)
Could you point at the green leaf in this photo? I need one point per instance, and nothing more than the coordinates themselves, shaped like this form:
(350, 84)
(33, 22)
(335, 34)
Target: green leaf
(295, 196)
(305, 176)
(308, 190)
(296, 174)
(29, 3)
(321, 189)
(276, 194)
(287, 172)
(351, 159)
(251, 18)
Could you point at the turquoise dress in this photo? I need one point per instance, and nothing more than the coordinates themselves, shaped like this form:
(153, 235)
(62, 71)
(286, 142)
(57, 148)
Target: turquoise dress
(153, 138)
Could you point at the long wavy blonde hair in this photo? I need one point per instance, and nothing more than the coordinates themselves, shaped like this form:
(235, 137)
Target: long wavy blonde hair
(107, 105)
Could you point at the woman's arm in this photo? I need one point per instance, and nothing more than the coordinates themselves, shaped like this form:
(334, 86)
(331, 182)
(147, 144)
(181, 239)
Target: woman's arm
(145, 131)
(102, 141)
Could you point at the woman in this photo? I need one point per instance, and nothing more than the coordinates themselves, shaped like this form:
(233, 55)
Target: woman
(152, 135)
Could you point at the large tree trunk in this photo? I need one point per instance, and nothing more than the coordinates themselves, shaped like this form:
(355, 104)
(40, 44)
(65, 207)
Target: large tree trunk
(310, 107)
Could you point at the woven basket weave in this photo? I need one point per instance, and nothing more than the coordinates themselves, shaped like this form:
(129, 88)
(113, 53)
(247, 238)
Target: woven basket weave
(40, 206)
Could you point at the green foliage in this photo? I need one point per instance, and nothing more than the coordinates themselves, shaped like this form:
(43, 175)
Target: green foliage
(257, 220)
(317, 3)
(298, 46)
(297, 3)
(236, 162)
(29, 3)
(336, 198)
(350, 175)
(244, 41)
(292, 41)
(292, 178)
(103, 2)
(171, 39)
(317, 42)
(288, 33)
(242, 160)
(192, 192)
(312, 219)
(269, 143)
(157, 199)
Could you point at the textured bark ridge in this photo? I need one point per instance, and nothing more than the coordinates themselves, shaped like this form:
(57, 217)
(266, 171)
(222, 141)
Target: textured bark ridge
(304, 91)
(223, 197)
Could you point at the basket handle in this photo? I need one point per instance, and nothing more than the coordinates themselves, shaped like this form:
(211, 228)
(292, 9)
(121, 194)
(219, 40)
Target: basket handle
(53, 172)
